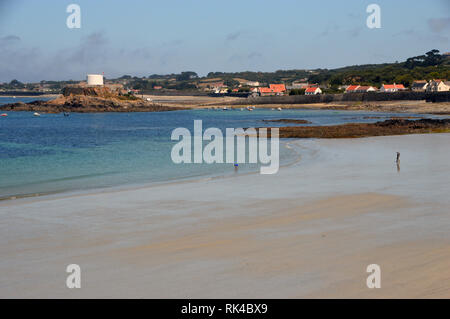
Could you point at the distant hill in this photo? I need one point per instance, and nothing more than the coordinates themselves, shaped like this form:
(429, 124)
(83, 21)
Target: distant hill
(431, 65)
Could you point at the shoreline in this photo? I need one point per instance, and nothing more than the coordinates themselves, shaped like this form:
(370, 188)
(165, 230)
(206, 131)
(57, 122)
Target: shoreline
(142, 185)
(403, 106)
(311, 236)
(31, 96)
(205, 102)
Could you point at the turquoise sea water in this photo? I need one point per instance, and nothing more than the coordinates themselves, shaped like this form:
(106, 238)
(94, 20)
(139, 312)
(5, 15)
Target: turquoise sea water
(53, 153)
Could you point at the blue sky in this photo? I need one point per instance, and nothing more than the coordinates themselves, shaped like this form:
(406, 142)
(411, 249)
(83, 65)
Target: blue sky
(145, 37)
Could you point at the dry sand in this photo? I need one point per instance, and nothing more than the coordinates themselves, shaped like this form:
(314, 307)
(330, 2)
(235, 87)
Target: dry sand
(308, 231)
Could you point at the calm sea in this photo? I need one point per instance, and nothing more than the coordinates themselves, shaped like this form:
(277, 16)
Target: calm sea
(53, 153)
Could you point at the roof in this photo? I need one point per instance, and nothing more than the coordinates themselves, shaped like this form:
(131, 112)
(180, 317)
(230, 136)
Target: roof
(393, 86)
(311, 90)
(364, 88)
(277, 88)
(419, 84)
(265, 90)
(352, 87)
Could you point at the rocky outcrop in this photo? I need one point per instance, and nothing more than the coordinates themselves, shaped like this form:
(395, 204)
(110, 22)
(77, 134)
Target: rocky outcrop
(89, 99)
(296, 121)
(352, 130)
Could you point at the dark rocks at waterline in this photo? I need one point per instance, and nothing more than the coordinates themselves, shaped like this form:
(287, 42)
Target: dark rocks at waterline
(356, 130)
(296, 121)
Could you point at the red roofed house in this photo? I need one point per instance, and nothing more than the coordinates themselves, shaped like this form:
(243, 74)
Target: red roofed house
(313, 91)
(351, 88)
(273, 89)
(392, 88)
(265, 91)
(277, 88)
(365, 89)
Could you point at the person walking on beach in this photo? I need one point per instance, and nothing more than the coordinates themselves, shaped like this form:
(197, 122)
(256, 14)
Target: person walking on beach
(398, 158)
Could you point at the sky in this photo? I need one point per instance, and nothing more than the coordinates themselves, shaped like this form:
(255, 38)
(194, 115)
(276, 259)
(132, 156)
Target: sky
(141, 38)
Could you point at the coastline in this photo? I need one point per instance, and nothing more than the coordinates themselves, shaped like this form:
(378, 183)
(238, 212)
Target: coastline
(344, 207)
(288, 143)
(32, 96)
(404, 106)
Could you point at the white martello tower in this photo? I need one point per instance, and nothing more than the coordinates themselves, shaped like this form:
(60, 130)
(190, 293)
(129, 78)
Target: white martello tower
(95, 79)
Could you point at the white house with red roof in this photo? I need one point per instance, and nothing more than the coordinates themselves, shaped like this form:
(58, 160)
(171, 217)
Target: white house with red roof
(365, 89)
(278, 88)
(273, 89)
(351, 88)
(389, 88)
(313, 91)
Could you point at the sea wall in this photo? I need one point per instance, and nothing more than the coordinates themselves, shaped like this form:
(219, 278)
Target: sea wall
(362, 97)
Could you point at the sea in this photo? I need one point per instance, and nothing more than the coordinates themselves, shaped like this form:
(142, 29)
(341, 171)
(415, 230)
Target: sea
(54, 153)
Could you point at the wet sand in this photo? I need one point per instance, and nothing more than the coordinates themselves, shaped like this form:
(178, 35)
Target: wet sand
(308, 231)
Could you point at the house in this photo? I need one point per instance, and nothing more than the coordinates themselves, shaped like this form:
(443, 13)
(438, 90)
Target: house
(351, 88)
(298, 85)
(273, 89)
(211, 85)
(390, 88)
(278, 89)
(265, 91)
(313, 91)
(419, 86)
(438, 86)
(252, 83)
(365, 89)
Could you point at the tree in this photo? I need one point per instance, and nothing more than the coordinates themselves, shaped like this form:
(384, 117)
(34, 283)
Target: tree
(185, 76)
(297, 92)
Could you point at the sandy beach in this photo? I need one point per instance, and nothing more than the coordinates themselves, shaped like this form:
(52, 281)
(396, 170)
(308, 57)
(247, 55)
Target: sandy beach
(418, 106)
(308, 231)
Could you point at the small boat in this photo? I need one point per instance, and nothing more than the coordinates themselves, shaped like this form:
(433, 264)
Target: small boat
(279, 109)
(66, 114)
(225, 108)
(242, 108)
(36, 114)
(4, 114)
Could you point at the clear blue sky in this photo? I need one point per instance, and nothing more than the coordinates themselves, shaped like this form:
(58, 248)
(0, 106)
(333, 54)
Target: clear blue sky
(145, 37)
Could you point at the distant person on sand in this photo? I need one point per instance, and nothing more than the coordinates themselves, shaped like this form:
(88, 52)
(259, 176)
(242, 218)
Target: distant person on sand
(236, 167)
(398, 158)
